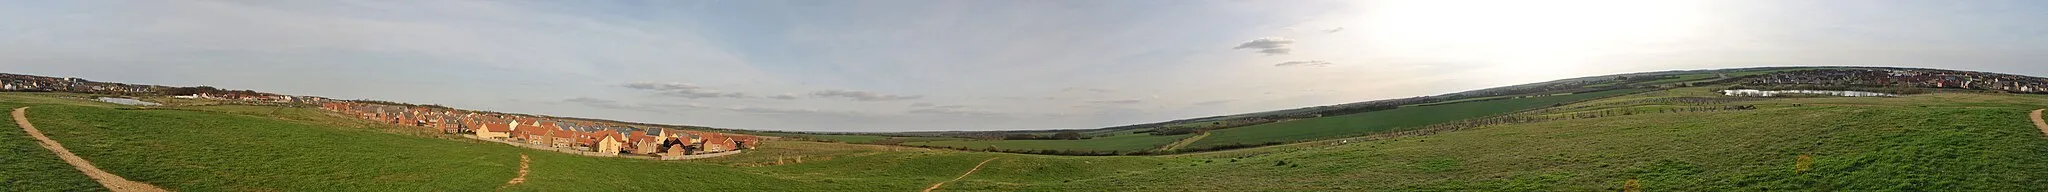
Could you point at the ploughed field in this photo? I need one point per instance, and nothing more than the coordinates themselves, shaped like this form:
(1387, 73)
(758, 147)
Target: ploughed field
(1946, 141)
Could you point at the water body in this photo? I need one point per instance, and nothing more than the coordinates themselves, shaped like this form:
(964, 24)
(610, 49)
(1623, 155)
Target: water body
(127, 101)
(1762, 93)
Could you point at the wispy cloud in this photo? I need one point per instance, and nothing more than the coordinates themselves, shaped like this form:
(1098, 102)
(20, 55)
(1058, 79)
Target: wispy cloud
(1335, 30)
(684, 90)
(1268, 45)
(863, 95)
(1307, 63)
(1126, 101)
(784, 97)
(609, 104)
(1095, 90)
(1216, 102)
(954, 111)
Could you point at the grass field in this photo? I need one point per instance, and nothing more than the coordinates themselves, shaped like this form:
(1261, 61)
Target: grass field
(1122, 143)
(1381, 121)
(1941, 142)
(244, 148)
(29, 167)
(855, 139)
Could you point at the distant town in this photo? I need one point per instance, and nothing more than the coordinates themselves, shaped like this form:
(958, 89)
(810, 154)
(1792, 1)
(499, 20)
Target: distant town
(575, 136)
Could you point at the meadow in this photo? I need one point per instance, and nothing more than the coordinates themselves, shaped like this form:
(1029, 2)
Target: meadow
(1116, 143)
(268, 148)
(1970, 142)
(29, 167)
(1382, 121)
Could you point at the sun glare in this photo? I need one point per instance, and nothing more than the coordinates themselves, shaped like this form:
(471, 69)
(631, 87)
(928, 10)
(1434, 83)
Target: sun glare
(1544, 36)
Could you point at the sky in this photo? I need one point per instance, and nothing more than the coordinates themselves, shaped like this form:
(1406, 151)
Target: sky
(924, 65)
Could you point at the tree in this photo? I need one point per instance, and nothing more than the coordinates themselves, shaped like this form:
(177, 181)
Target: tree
(1021, 137)
(1068, 135)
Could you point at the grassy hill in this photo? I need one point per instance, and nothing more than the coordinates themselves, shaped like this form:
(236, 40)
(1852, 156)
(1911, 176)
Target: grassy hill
(1942, 141)
(1920, 142)
(1116, 143)
(1383, 121)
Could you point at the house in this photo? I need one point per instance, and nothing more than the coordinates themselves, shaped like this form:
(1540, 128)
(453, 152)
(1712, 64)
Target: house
(744, 141)
(563, 139)
(714, 142)
(539, 137)
(681, 142)
(677, 150)
(608, 141)
(495, 131)
(640, 143)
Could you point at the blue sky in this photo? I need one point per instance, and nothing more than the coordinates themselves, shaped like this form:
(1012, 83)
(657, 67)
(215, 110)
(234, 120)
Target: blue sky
(902, 65)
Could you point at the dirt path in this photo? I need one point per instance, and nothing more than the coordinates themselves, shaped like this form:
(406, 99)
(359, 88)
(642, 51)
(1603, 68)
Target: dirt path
(977, 167)
(523, 162)
(109, 180)
(1184, 142)
(2038, 122)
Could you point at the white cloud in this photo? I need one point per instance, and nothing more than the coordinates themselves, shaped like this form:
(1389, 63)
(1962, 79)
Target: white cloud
(1309, 63)
(1268, 45)
(863, 95)
(684, 90)
(1126, 101)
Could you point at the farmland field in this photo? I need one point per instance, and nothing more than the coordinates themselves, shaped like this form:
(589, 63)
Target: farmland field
(1122, 143)
(1381, 121)
(855, 139)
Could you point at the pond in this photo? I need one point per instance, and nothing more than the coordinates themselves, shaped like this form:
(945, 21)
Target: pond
(126, 101)
(1762, 93)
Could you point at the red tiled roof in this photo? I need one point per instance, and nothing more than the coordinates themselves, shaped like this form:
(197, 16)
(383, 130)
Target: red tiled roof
(565, 134)
(612, 135)
(493, 127)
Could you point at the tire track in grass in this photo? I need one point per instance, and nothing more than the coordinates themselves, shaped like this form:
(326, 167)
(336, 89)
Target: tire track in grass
(977, 167)
(523, 161)
(1184, 142)
(109, 180)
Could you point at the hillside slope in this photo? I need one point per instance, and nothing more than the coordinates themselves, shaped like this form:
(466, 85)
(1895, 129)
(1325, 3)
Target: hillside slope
(1920, 142)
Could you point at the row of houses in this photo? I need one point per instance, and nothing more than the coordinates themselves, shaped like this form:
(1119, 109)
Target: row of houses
(17, 82)
(255, 97)
(604, 138)
(1909, 77)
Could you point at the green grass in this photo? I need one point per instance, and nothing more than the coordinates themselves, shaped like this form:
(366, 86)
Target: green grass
(856, 139)
(1956, 142)
(1682, 78)
(1381, 121)
(1122, 143)
(29, 167)
(245, 148)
